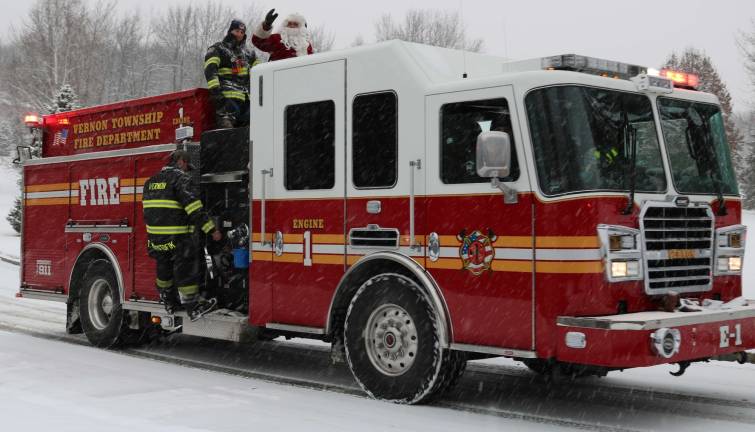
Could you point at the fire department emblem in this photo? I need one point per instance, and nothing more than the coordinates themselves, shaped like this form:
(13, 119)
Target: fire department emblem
(476, 251)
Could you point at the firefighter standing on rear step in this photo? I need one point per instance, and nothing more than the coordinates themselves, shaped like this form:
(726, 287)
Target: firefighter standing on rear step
(226, 69)
(172, 213)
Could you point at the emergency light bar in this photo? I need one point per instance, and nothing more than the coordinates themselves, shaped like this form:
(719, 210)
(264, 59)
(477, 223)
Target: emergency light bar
(681, 79)
(32, 120)
(592, 65)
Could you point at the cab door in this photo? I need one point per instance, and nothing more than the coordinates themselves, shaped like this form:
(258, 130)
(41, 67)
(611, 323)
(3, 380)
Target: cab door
(305, 208)
(480, 248)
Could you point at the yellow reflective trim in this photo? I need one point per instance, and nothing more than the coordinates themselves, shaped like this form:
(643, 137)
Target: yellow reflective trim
(212, 60)
(167, 230)
(161, 204)
(229, 71)
(207, 227)
(213, 83)
(188, 289)
(192, 207)
(163, 284)
(232, 94)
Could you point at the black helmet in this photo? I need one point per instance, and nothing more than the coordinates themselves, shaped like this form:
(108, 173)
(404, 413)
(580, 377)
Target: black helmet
(236, 24)
(183, 155)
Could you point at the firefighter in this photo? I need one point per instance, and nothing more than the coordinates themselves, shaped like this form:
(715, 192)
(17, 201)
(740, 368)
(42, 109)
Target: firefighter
(172, 212)
(226, 69)
(292, 40)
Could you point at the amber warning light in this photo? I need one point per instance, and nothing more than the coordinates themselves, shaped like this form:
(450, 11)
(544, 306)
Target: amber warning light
(32, 120)
(681, 79)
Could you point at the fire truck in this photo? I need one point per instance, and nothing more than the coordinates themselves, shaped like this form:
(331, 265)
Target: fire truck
(416, 207)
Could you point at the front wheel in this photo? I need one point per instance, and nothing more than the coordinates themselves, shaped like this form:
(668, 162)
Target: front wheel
(102, 317)
(392, 342)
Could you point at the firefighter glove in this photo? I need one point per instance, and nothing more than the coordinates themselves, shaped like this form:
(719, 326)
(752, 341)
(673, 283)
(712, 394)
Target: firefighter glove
(269, 19)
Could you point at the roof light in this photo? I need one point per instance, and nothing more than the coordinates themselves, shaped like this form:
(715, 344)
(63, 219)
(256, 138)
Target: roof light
(32, 120)
(681, 79)
(592, 65)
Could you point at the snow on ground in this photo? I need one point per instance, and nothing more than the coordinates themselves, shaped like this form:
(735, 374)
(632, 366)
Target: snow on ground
(85, 389)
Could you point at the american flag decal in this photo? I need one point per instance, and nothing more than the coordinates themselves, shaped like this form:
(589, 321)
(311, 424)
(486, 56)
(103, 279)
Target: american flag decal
(60, 137)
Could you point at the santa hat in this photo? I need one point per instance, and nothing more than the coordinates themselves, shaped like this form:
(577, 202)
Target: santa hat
(297, 18)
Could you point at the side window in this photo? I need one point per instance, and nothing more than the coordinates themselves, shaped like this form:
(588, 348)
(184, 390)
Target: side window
(375, 140)
(460, 124)
(309, 146)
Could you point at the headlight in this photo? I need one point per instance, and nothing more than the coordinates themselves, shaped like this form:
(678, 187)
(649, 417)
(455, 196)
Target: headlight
(730, 249)
(625, 269)
(621, 253)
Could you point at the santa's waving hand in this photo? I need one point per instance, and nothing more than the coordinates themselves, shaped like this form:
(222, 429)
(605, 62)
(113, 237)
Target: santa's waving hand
(292, 39)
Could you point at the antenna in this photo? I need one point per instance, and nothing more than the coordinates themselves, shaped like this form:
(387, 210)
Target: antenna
(463, 40)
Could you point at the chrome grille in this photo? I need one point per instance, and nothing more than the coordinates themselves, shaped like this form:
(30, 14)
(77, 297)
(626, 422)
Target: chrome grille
(678, 247)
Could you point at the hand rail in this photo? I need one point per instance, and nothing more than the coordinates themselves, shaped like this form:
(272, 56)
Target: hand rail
(264, 174)
(415, 166)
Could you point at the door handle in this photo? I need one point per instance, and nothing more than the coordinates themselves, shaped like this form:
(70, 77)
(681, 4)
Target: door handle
(278, 243)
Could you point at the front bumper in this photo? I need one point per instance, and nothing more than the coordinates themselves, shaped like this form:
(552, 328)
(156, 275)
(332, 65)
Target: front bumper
(624, 341)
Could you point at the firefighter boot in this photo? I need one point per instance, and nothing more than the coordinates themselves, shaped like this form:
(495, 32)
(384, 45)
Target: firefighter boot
(201, 307)
(169, 298)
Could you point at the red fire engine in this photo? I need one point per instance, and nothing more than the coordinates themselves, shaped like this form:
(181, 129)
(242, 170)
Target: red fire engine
(416, 207)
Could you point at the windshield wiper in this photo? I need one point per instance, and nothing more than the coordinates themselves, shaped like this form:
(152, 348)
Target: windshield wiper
(710, 160)
(631, 136)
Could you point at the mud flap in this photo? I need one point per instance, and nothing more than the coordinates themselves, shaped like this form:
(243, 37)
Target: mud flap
(73, 319)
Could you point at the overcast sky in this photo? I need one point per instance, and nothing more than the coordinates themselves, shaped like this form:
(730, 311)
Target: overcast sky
(641, 31)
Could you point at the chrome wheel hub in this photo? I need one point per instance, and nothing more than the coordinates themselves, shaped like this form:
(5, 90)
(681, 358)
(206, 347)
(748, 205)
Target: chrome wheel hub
(391, 340)
(100, 304)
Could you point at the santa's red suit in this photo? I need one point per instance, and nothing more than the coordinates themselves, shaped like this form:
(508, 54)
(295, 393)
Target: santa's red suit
(287, 43)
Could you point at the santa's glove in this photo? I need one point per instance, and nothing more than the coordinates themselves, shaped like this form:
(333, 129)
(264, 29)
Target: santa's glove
(269, 19)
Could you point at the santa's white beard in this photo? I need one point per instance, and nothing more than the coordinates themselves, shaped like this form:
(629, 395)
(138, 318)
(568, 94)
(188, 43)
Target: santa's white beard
(296, 38)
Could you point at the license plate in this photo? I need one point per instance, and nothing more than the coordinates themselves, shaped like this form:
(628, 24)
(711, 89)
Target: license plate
(682, 253)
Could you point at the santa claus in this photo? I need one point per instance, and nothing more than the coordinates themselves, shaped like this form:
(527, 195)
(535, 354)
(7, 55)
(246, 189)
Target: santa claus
(292, 39)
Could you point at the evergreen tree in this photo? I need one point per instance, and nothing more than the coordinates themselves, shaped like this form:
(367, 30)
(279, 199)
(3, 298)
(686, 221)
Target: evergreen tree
(14, 215)
(699, 63)
(63, 100)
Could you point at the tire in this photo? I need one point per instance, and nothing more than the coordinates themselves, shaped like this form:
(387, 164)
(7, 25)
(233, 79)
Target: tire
(390, 315)
(102, 316)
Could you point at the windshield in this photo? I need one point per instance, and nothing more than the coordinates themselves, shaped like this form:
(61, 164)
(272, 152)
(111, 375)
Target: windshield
(697, 148)
(581, 138)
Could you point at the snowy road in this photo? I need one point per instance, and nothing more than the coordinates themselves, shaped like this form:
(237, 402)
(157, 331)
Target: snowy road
(197, 384)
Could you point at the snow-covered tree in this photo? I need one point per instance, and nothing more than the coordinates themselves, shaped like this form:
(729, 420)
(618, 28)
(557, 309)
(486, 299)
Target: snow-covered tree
(63, 100)
(15, 215)
(322, 39)
(8, 138)
(746, 154)
(428, 26)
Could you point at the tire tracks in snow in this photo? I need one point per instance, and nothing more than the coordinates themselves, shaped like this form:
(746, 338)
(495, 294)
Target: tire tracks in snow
(504, 392)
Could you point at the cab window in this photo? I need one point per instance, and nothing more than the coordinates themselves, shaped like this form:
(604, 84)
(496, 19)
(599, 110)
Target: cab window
(461, 123)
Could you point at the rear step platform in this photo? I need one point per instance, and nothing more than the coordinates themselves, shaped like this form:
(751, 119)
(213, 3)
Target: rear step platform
(221, 324)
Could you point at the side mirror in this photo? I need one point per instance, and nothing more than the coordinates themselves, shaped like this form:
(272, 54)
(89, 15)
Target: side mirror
(493, 154)
(23, 154)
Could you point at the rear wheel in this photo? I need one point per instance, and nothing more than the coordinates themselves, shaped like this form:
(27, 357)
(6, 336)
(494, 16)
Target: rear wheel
(392, 341)
(102, 316)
